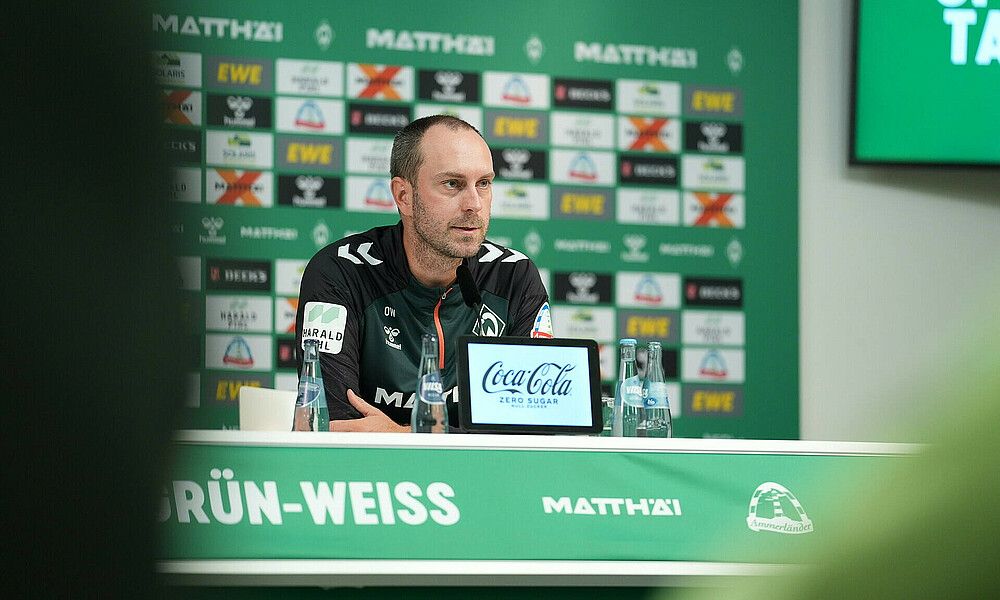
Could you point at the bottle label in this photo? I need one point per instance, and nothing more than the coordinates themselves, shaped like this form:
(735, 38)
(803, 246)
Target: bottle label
(429, 389)
(654, 395)
(309, 394)
(630, 391)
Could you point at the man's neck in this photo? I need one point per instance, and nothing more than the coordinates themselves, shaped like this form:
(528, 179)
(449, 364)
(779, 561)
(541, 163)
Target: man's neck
(427, 265)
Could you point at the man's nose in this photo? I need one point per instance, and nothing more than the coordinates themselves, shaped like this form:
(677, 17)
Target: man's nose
(471, 201)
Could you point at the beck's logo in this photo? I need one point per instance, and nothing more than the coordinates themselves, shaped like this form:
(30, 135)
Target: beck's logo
(774, 508)
(581, 93)
(377, 119)
(713, 292)
(648, 169)
(242, 275)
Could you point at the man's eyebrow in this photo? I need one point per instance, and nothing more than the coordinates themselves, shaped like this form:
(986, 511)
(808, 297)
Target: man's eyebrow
(457, 175)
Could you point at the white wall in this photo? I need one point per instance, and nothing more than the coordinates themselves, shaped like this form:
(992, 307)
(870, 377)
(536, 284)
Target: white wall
(897, 265)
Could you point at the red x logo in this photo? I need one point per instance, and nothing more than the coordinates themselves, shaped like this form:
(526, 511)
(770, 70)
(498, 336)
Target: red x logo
(379, 82)
(713, 209)
(293, 307)
(239, 187)
(649, 134)
(171, 103)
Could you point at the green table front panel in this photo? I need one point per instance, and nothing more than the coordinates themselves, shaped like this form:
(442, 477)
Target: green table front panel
(232, 502)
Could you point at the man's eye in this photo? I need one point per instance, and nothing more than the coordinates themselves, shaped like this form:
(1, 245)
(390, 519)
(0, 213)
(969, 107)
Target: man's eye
(451, 183)
(484, 183)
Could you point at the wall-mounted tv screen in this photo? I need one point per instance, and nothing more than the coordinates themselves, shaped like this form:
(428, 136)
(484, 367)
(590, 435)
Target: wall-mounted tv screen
(926, 82)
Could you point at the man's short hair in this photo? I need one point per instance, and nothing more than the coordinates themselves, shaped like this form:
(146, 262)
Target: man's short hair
(406, 155)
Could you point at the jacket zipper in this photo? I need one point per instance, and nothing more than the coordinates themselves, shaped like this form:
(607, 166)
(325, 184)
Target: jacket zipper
(437, 323)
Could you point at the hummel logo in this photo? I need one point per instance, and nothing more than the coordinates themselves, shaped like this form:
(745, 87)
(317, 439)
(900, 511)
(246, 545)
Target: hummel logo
(493, 253)
(363, 251)
(390, 337)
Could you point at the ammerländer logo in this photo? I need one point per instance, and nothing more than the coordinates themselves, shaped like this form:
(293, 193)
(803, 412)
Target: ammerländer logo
(774, 508)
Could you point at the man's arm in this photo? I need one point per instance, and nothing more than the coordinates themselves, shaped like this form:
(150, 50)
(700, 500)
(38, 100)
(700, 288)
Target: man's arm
(327, 312)
(372, 419)
(531, 305)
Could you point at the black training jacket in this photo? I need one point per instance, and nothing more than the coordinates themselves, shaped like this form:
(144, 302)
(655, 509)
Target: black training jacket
(360, 301)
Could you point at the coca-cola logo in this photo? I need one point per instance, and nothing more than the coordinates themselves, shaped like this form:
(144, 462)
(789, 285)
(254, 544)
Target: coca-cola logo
(549, 379)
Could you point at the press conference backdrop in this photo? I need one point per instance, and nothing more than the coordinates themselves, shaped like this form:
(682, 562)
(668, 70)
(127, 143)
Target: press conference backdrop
(927, 81)
(646, 160)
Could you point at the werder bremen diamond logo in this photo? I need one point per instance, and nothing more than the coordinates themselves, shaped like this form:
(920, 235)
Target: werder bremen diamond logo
(774, 508)
(324, 35)
(534, 48)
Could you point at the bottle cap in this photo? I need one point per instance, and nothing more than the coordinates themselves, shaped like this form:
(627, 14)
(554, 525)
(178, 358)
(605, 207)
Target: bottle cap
(627, 341)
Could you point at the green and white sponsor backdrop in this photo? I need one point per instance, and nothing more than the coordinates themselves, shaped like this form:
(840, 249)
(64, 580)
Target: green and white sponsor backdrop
(646, 156)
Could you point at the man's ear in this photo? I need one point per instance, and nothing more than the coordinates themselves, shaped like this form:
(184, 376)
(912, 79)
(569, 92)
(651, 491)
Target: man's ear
(402, 194)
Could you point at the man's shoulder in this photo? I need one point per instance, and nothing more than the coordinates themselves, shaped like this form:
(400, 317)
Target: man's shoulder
(494, 254)
(495, 264)
(367, 259)
(371, 248)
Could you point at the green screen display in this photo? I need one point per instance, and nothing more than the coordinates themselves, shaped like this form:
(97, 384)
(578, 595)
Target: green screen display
(927, 81)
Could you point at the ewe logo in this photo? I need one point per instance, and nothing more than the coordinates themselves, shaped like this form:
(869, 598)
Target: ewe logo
(774, 508)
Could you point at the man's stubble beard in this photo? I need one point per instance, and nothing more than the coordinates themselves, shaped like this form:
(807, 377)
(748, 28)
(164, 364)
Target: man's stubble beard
(439, 241)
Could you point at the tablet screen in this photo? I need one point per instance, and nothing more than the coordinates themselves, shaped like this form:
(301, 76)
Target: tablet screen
(529, 385)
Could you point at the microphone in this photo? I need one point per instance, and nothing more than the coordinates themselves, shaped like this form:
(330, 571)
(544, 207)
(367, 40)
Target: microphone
(467, 285)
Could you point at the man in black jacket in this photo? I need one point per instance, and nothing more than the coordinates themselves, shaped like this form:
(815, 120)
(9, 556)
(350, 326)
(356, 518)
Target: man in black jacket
(369, 298)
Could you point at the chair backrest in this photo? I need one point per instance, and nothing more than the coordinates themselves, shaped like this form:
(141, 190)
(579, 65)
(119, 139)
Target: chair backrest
(264, 409)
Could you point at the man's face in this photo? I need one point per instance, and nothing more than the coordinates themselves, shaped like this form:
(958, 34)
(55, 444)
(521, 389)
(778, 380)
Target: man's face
(453, 191)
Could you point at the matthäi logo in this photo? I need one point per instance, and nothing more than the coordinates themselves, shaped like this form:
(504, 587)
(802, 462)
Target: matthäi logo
(774, 508)
(655, 507)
